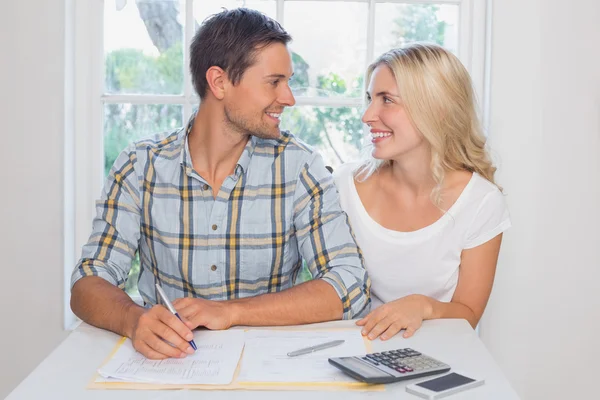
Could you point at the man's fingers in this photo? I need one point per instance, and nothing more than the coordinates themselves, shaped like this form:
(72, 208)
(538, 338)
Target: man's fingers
(182, 302)
(195, 315)
(148, 352)
(175, 324)
(166, 333)
(160, 346)
(186, 312)
(158, 325)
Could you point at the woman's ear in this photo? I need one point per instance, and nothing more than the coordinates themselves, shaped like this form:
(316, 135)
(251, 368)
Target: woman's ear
(216, 79)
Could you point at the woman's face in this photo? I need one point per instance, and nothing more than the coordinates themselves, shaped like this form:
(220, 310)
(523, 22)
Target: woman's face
(392, 133)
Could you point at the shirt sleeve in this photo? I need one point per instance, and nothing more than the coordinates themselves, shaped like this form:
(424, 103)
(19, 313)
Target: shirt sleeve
(325, 238)
(491, 219)
(116, 227)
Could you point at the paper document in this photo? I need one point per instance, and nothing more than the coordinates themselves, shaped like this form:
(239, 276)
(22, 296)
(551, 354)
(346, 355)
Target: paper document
(213, 363)
(266, 360)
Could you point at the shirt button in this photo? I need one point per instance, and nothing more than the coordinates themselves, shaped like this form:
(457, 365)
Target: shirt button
(205, 187)
(213, 268)
(214, 227)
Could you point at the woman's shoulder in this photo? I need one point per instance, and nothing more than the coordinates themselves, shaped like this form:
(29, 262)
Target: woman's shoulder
(344, 172)
(490, 215)
(483, 189)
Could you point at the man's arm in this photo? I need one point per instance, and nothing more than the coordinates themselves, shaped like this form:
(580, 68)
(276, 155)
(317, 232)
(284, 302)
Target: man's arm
(99, 277)
(326, 240)
(104, 305)
(310, 302)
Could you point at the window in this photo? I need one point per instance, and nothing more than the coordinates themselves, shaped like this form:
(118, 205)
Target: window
(131, 71)
(147, 88)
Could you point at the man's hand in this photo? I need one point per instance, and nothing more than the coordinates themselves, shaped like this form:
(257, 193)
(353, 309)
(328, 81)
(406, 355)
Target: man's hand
(214, 315)
(157, 326)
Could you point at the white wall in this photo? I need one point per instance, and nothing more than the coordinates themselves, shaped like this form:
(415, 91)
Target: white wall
(31, 177)
(543, 315)
(542, 322)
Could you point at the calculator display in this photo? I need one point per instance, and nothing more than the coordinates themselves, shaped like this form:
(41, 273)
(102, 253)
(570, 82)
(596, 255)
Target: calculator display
(364, 369)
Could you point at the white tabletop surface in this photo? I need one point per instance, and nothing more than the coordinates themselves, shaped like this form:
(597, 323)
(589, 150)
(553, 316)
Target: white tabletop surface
(66, 372)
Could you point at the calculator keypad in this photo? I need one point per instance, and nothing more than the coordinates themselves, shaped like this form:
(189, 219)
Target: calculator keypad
(404, 361)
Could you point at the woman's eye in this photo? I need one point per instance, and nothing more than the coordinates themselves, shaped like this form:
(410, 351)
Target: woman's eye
(387, 100)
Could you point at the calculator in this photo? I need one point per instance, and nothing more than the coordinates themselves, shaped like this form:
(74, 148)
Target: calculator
(389, 366)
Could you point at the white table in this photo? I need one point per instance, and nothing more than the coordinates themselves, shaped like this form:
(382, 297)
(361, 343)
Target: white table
(66, 372)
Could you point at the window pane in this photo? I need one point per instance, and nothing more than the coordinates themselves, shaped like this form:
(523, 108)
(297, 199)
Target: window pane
(206, 8)
(399, 24)
(125, 123)
(143, 46)
(329, 44)
(336, 132)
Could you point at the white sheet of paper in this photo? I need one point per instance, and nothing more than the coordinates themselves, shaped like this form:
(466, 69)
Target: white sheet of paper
(213, 363)
(266, 360)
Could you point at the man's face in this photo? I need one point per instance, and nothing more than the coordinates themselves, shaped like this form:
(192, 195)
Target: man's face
(254, 106)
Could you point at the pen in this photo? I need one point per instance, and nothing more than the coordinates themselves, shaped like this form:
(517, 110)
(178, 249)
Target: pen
(312, 349)
(165, 300)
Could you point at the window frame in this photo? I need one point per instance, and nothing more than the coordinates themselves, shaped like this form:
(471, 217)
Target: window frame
(85, 100)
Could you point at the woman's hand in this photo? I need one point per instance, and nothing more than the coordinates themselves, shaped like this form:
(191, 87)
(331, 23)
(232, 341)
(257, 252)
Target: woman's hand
(405, 313)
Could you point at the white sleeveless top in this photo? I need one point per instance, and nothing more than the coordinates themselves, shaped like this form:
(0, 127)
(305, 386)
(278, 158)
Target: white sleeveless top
(425, 261)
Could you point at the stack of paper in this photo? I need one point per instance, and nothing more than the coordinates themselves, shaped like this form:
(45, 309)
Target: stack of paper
(213, 363)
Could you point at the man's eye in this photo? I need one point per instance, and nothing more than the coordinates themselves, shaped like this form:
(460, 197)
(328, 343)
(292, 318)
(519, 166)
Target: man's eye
(275, 83)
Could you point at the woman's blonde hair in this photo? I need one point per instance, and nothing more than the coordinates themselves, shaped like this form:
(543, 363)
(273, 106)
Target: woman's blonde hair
(438, 96)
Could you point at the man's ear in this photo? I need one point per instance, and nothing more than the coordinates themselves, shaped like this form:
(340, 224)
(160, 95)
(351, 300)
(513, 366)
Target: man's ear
(217, 80)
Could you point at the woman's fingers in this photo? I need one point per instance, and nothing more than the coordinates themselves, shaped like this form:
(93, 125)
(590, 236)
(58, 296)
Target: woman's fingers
(410, 330)
(392, 330)
(379, 328)
(372, 320)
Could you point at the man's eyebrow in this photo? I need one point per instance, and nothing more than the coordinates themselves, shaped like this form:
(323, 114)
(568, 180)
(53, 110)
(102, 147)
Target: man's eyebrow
(279, 76)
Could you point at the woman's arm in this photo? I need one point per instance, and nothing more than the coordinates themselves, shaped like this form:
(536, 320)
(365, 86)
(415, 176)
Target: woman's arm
(475, 280)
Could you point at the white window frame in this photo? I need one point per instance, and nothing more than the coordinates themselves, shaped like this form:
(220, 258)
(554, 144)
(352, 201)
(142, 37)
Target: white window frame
(84, 72)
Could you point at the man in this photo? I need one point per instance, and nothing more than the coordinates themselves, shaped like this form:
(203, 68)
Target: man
(222, 212)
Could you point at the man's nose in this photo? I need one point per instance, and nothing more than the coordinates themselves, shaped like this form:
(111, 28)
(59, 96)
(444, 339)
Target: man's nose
(286, 98)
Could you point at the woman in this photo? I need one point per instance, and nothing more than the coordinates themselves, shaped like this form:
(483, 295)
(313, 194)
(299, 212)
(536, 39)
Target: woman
(423, 203)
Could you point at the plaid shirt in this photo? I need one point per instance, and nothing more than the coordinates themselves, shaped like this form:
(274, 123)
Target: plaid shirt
(278, 207)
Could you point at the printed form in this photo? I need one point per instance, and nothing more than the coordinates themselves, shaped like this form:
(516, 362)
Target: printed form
(213, 363)
(265, 355)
